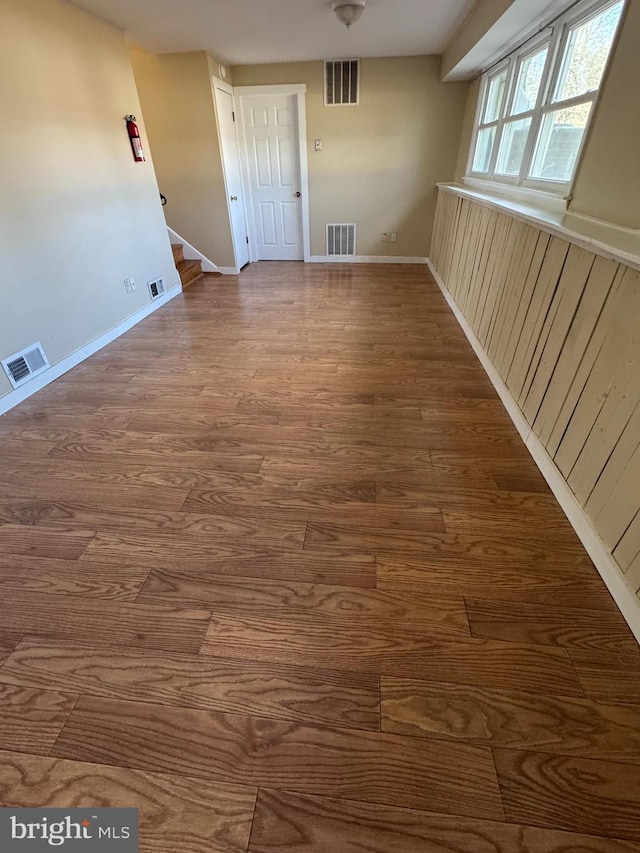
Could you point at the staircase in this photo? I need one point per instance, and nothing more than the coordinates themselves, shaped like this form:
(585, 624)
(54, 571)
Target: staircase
(189, 271)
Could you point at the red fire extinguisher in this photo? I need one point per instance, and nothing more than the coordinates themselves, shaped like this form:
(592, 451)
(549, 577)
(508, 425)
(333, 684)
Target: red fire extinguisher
(134, 138)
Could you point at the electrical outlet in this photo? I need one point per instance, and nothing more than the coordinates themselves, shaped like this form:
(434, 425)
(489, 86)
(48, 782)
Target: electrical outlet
(385, 237)
(129, 285)
(394, 237)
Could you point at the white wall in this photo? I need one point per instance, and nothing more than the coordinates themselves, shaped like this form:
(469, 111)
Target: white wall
(77, 215)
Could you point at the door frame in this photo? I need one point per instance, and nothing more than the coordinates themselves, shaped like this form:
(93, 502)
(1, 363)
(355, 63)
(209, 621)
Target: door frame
(299, 90)
(221, 84)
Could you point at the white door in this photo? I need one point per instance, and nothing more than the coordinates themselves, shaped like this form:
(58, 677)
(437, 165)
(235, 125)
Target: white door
(273, 164)
(233, 175)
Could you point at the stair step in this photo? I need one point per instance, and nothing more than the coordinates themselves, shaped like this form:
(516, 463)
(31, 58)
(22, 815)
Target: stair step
(189, 271)
(178, 252)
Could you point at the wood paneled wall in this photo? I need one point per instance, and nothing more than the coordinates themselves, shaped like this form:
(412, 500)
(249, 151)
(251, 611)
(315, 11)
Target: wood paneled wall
(562, 327)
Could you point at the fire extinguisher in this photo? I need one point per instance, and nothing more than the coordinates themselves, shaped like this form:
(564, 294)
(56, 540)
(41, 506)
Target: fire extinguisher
(134, 138)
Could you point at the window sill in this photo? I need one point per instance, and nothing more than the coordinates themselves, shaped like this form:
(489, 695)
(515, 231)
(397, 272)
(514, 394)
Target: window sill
(550, 215)
(538, 199)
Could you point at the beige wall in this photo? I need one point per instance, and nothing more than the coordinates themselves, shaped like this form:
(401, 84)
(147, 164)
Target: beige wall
(482, 19)
(77, 215)
(381, 160)
(468, 127)
(607, 184)
(490, 29)
(177, 103)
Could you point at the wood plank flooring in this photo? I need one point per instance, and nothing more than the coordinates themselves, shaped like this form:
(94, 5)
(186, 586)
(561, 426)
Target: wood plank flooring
(276, 568)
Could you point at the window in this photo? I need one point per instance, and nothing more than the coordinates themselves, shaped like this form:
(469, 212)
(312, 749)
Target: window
(535, 105)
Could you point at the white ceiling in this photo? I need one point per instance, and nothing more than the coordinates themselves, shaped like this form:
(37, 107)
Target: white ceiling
(258, 31)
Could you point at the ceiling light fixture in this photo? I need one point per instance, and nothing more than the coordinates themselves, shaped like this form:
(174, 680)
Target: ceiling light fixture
(348, 11)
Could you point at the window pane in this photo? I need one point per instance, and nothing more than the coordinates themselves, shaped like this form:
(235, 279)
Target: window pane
(484, 146)
(586, 54)
(528, 82)
(559, 142)
(495, 97)
(514, 139)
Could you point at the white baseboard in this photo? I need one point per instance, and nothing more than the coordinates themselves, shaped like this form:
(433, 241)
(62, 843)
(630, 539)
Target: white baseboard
(191, 253)
(623, 595)
(364, 259)
(337, 259)
(14, 398)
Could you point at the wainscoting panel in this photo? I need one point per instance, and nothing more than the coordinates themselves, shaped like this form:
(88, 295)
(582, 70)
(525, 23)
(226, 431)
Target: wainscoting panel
(561, 326)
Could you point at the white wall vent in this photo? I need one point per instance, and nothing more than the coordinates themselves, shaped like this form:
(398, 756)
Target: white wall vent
(157, 288)
(341, 239)
(24, 365)
(342, 83)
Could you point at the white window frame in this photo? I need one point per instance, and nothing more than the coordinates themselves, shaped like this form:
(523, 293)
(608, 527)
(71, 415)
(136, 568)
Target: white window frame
(556, 37)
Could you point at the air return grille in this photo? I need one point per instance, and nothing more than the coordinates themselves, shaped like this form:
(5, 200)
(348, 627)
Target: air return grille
(342, 83)
(156, 288)
(25, 365)
(341, 240)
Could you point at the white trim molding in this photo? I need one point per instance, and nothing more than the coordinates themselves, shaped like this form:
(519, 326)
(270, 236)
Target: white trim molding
(365, 259)
(191, 253)
(623, 595)
(228, 270)
(23, 392)
(304, 173)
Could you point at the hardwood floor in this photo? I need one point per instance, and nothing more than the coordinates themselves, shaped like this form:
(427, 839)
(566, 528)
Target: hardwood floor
(276, 568)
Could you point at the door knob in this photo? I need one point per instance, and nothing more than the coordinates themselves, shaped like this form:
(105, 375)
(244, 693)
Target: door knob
(234, 198)
(298, 195)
